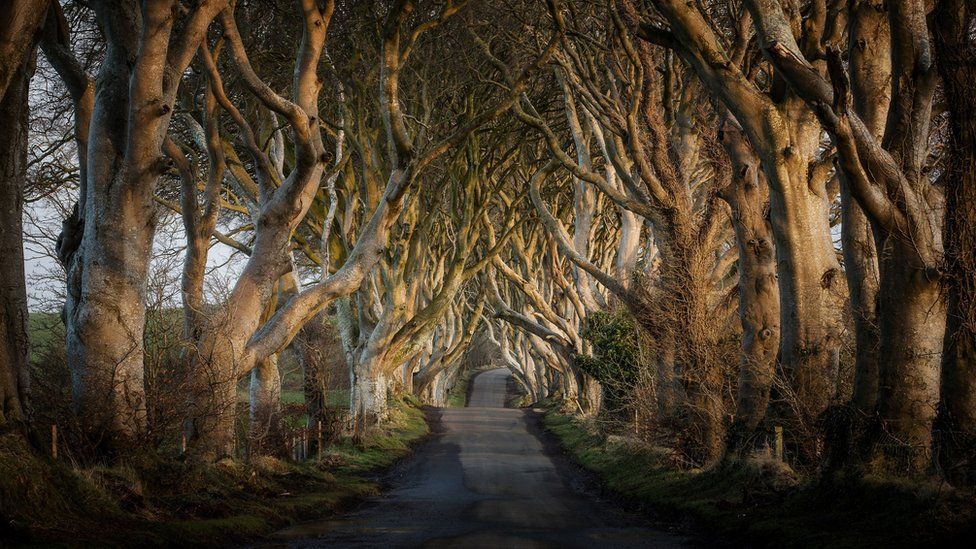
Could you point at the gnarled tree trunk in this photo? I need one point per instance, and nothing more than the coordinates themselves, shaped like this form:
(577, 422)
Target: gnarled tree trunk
(14, 405)
(748, 198)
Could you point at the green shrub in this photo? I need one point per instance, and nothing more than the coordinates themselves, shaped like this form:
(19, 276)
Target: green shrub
(615, 359)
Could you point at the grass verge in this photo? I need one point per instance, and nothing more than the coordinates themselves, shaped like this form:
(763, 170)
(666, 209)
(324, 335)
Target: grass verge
(169, 503)
(759, 504)
(457, 395)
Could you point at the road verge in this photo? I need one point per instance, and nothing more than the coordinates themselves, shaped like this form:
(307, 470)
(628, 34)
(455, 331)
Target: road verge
(172, 503)
(756, 504)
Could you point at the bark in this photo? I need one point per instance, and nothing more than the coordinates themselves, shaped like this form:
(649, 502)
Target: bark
(105, 310)
(952, 31)
(785, 135)
(627, 251)
(870, 67)
(21, 21)
(264, 431)
(861, 269)
(912, 326)
(683, 280)
(807, 267)
(370, 394)
(315, 347)
(748, 198)
(106, 317)
(889, 178)
(14, 342)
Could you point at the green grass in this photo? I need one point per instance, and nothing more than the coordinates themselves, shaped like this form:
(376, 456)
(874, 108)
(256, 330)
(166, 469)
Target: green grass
(457, 396)
(45, 329)
(165, 502)
(381, 447)
(762, 504)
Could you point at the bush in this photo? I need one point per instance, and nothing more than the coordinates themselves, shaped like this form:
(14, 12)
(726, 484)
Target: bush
(615, 361)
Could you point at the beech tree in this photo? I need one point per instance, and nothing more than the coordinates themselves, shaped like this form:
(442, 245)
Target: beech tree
(956, 50)
(785, 134)
(235, 340)
(890, 179)
(106, 248)
(632, 111)
(19, 32)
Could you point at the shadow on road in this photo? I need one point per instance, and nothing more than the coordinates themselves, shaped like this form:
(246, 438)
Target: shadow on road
(484, 479)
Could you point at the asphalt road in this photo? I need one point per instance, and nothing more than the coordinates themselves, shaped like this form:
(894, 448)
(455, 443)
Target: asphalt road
(485, 479)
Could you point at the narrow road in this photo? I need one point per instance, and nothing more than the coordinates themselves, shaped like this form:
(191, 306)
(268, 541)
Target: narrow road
(483, 480)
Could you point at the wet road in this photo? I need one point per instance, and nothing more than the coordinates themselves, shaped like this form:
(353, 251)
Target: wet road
(483, 480)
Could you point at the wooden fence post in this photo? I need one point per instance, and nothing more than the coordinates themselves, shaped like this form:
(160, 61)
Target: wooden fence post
(318, 438)
(54, 441)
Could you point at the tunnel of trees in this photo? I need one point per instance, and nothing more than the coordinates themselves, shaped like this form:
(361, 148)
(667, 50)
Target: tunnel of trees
(718, 227)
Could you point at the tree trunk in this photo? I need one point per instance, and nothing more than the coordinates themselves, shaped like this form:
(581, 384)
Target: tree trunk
(912, 325)
(861, 269)
(870, 70)
(369, 397)
(591, 392)
(213, 375)
(811, 288)
(625, 261)
(700, 371)
(957, 64)
(748, 198)
(14, 348)
(314, 345)
(265, 415)
(105, 309)
(689, 376)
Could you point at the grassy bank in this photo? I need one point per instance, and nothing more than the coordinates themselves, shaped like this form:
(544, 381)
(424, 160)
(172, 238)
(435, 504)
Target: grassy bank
(457, 395)
(761, 504)
(172, 503)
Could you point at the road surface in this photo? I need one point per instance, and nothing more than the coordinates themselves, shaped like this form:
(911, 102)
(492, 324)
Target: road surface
(483, 480)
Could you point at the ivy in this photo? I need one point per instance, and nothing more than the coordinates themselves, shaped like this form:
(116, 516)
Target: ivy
(614, 362)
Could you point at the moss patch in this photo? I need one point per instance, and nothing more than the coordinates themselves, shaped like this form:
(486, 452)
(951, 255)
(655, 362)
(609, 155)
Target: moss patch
(763, 504)
(457, 395)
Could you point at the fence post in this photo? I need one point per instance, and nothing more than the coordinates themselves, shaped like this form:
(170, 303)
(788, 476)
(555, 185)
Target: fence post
(318, 438)
(54, 441)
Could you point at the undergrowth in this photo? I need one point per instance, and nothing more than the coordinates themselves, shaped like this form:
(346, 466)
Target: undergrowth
(762, 503)
(48, 503)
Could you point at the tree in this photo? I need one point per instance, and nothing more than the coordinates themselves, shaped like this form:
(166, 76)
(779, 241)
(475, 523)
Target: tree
(18, 39)
(890, 179)
(785, 134)
(956, 49)
(134, 98)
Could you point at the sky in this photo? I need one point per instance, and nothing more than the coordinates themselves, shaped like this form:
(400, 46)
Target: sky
(45, 276)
